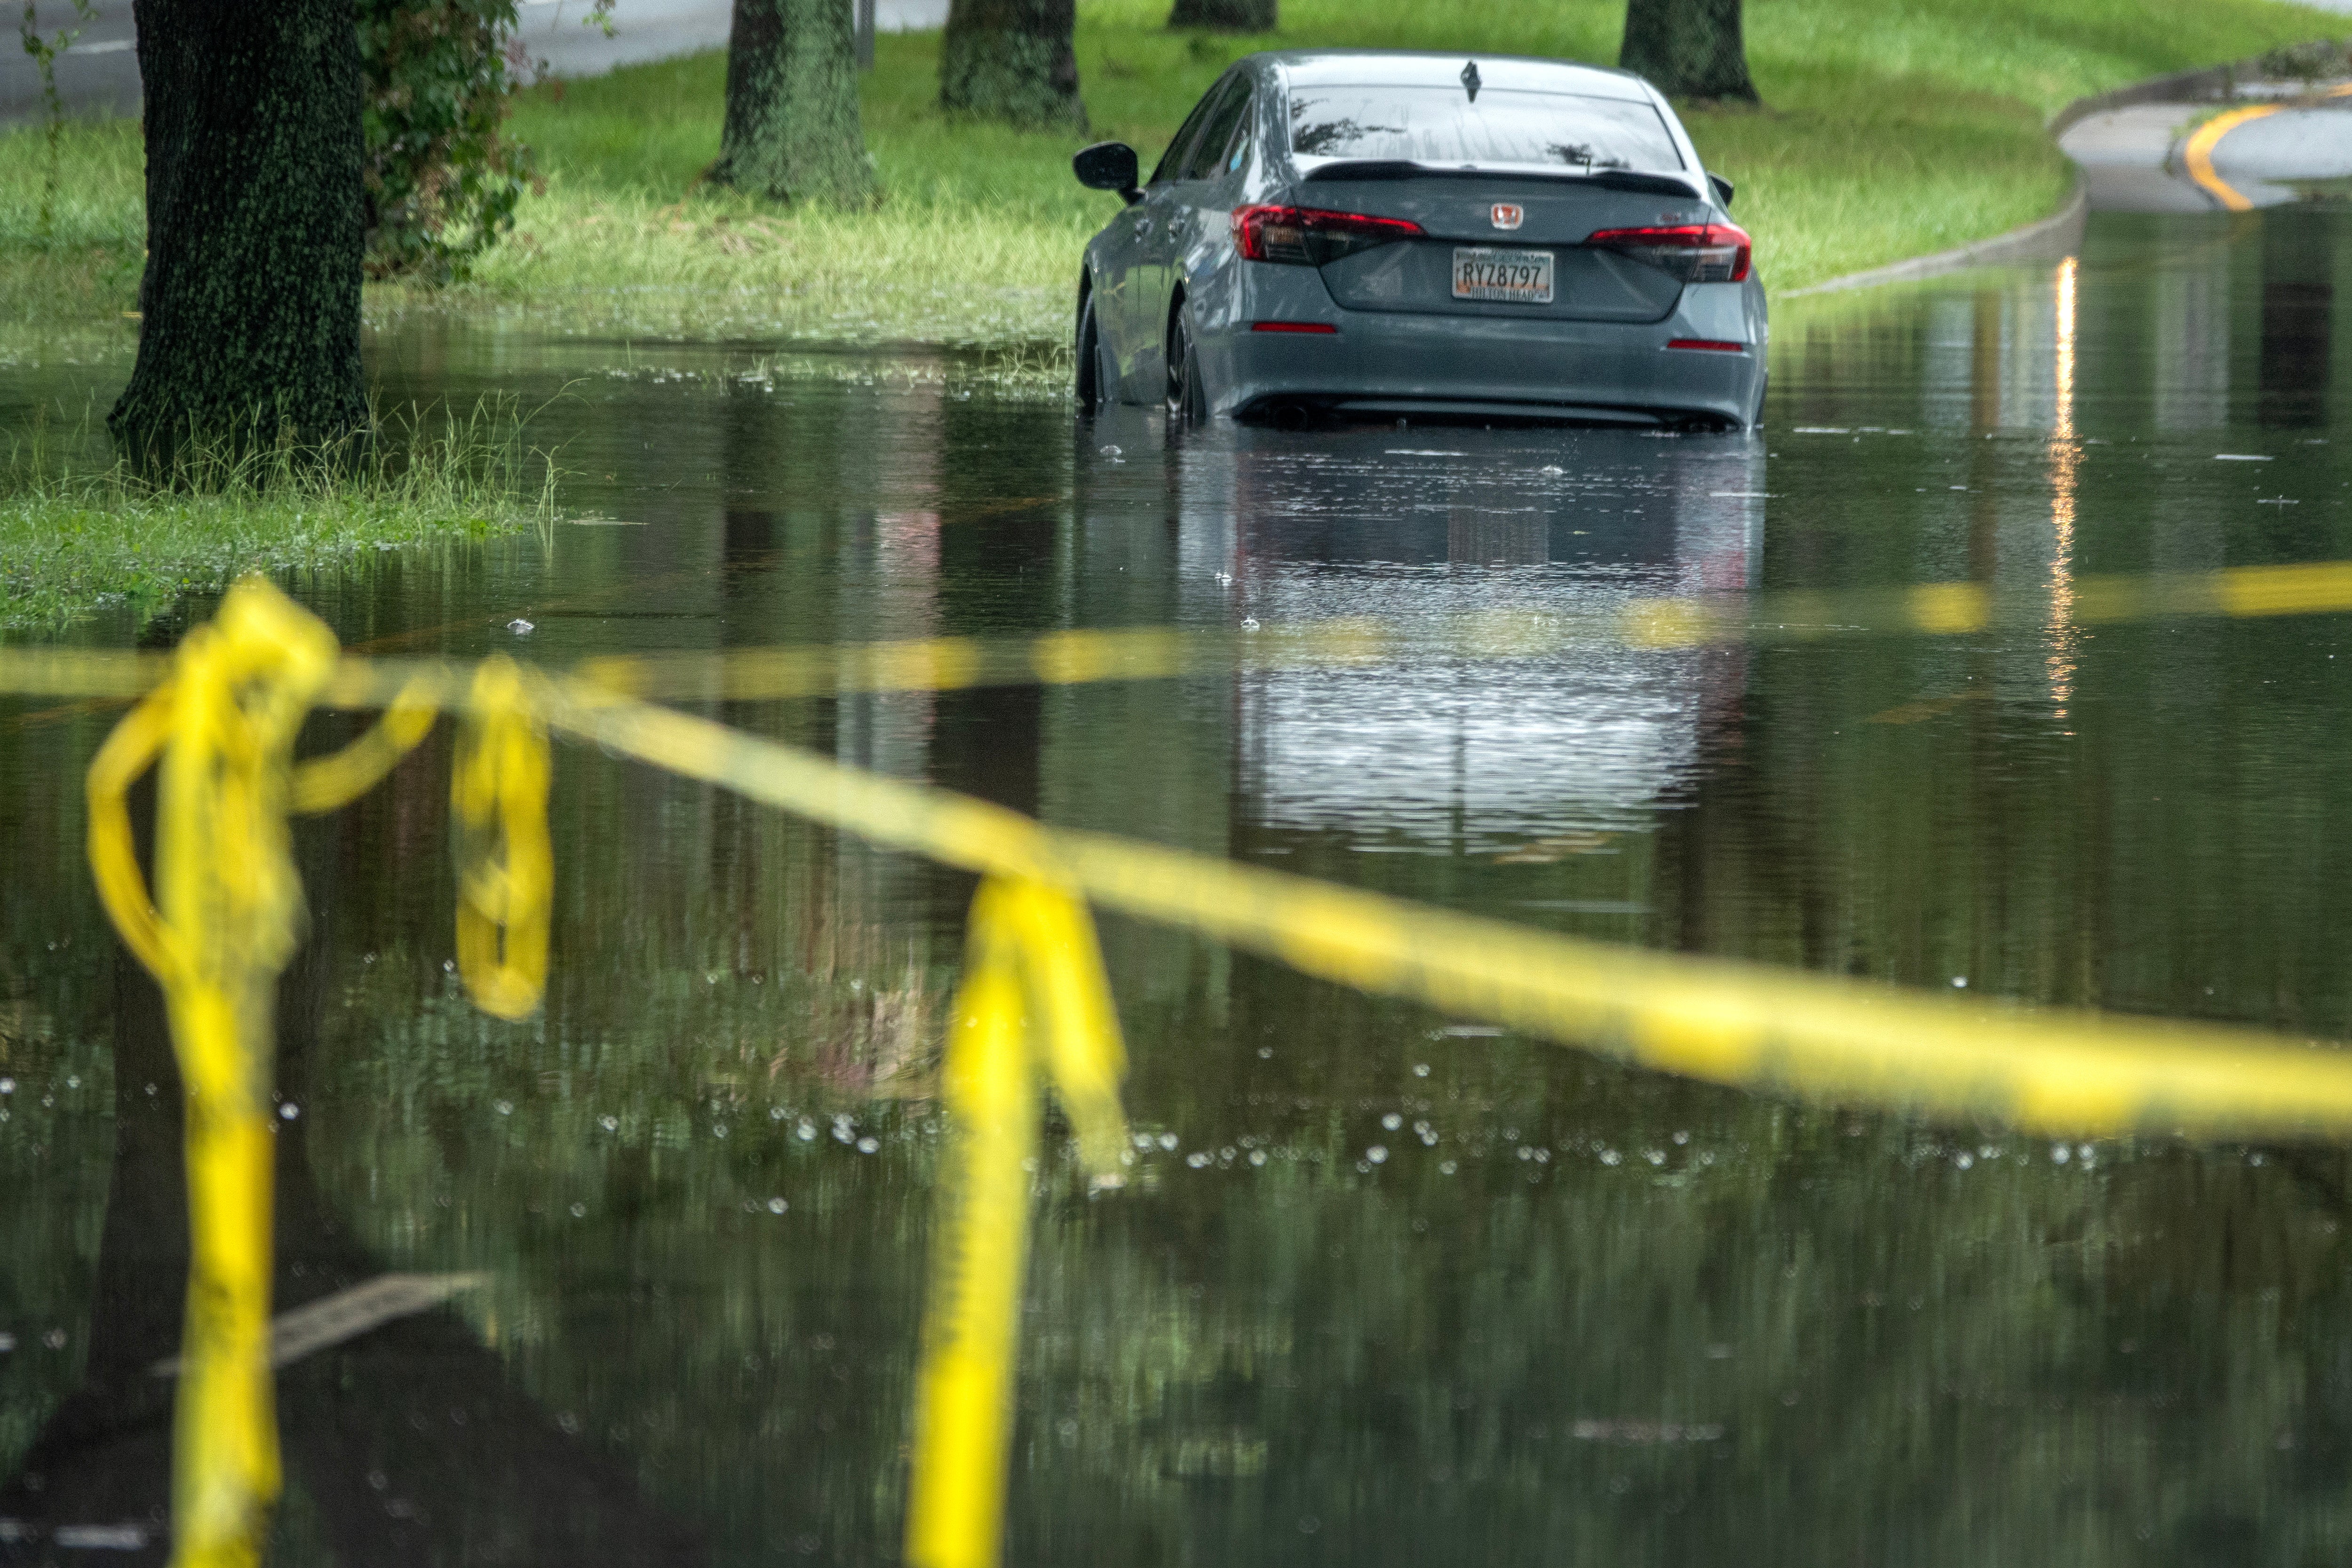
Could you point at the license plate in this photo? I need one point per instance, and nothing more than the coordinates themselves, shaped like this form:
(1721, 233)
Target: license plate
(1514, 277)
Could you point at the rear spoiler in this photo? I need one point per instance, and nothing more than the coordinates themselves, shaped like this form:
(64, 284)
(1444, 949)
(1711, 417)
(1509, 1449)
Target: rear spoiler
(1406, 169)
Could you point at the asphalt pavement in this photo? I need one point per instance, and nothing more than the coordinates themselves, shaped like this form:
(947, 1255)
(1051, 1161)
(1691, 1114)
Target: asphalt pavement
(2272, 149)
(98, 73)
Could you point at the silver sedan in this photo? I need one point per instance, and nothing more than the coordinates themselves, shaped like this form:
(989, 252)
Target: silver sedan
(1376, 233)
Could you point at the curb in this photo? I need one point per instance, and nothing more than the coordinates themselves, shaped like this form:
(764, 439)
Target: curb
(2032, 241)
(2205, 85)
(2061, 232)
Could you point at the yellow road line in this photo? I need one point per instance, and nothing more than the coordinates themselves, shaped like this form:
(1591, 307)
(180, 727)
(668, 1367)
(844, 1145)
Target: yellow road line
(2199, 153)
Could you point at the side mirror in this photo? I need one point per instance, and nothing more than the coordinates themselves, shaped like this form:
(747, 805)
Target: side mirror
(1723, 189)
(1107, 166)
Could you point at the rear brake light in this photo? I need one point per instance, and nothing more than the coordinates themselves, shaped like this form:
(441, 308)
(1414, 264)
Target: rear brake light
(1309, 237)
(1694, 252)
(1317, 327)
(1718, 344)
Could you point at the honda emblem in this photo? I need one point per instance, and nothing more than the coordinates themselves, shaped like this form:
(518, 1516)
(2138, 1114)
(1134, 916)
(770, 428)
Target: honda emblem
(1508, 215)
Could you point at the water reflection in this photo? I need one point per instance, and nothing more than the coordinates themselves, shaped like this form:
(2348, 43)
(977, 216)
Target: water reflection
(1418, 529)
(2298, 307)
(1562, 1303)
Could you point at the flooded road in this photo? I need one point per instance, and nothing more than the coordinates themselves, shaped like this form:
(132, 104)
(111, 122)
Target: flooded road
(1384, 1287)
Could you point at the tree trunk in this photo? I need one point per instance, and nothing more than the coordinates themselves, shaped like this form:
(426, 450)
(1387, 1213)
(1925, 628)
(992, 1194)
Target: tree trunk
(1689, 48)
(791, 131)
(1012, 61)
(1225, 15)
(250, 304)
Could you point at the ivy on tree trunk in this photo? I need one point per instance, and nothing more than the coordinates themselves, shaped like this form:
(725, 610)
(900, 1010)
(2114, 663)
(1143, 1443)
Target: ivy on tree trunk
(1689, 48)
(792, 131)
(250, 305)
(1225, 15)
(1012, 61)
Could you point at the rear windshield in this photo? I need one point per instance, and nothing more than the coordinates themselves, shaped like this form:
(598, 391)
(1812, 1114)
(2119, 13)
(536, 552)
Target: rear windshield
(1446, 125)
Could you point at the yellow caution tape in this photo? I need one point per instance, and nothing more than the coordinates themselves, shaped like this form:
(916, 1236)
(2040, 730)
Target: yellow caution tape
(1776, 1031)
(327, 782)
(223, 721)
(224, 718)
(224, 725)
(1158, 652)
(506, 865)
(1033, 998)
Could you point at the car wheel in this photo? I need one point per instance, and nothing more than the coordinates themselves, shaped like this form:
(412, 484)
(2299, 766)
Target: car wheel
(1090, 358)
(1188, 400)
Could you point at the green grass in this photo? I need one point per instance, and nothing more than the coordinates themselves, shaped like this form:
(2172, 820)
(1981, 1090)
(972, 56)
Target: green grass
(1891, 128)
(76, 535)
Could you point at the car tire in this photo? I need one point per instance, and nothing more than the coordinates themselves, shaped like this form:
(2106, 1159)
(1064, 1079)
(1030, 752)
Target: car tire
(1188, 400)
(1090, 359)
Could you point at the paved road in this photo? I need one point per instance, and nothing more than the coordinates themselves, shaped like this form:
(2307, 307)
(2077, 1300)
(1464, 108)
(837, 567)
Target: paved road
(2135, 159)
(99, 74)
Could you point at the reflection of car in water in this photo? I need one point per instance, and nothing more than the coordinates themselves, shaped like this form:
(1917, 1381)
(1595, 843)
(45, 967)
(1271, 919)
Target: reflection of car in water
(1372, 233)
(1443, 535)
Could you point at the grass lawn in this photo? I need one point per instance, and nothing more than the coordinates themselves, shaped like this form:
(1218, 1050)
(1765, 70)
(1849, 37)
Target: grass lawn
(1891, 128)
(74, 537)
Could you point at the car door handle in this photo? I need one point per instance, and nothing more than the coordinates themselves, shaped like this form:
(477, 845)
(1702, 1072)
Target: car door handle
(1175, 226)
(1142, 227)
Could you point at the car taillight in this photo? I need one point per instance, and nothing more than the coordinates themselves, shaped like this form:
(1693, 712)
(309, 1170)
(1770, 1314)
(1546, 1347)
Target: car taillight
(1309, 237)
(1694, 252)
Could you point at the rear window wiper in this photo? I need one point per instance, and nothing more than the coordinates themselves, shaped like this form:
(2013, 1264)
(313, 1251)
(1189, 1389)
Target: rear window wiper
(1406, 169)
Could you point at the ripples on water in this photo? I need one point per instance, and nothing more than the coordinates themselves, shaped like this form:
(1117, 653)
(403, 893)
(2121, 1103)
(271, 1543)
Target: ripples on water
(1385, 1287)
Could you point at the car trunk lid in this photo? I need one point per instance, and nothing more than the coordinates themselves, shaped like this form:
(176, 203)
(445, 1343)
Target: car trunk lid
(1524, 221)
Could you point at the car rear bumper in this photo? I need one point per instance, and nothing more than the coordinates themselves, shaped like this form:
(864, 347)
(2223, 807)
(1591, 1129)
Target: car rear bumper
(1403, 363)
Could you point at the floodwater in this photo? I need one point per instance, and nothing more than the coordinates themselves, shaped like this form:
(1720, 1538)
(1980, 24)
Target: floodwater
(1385, 1287)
